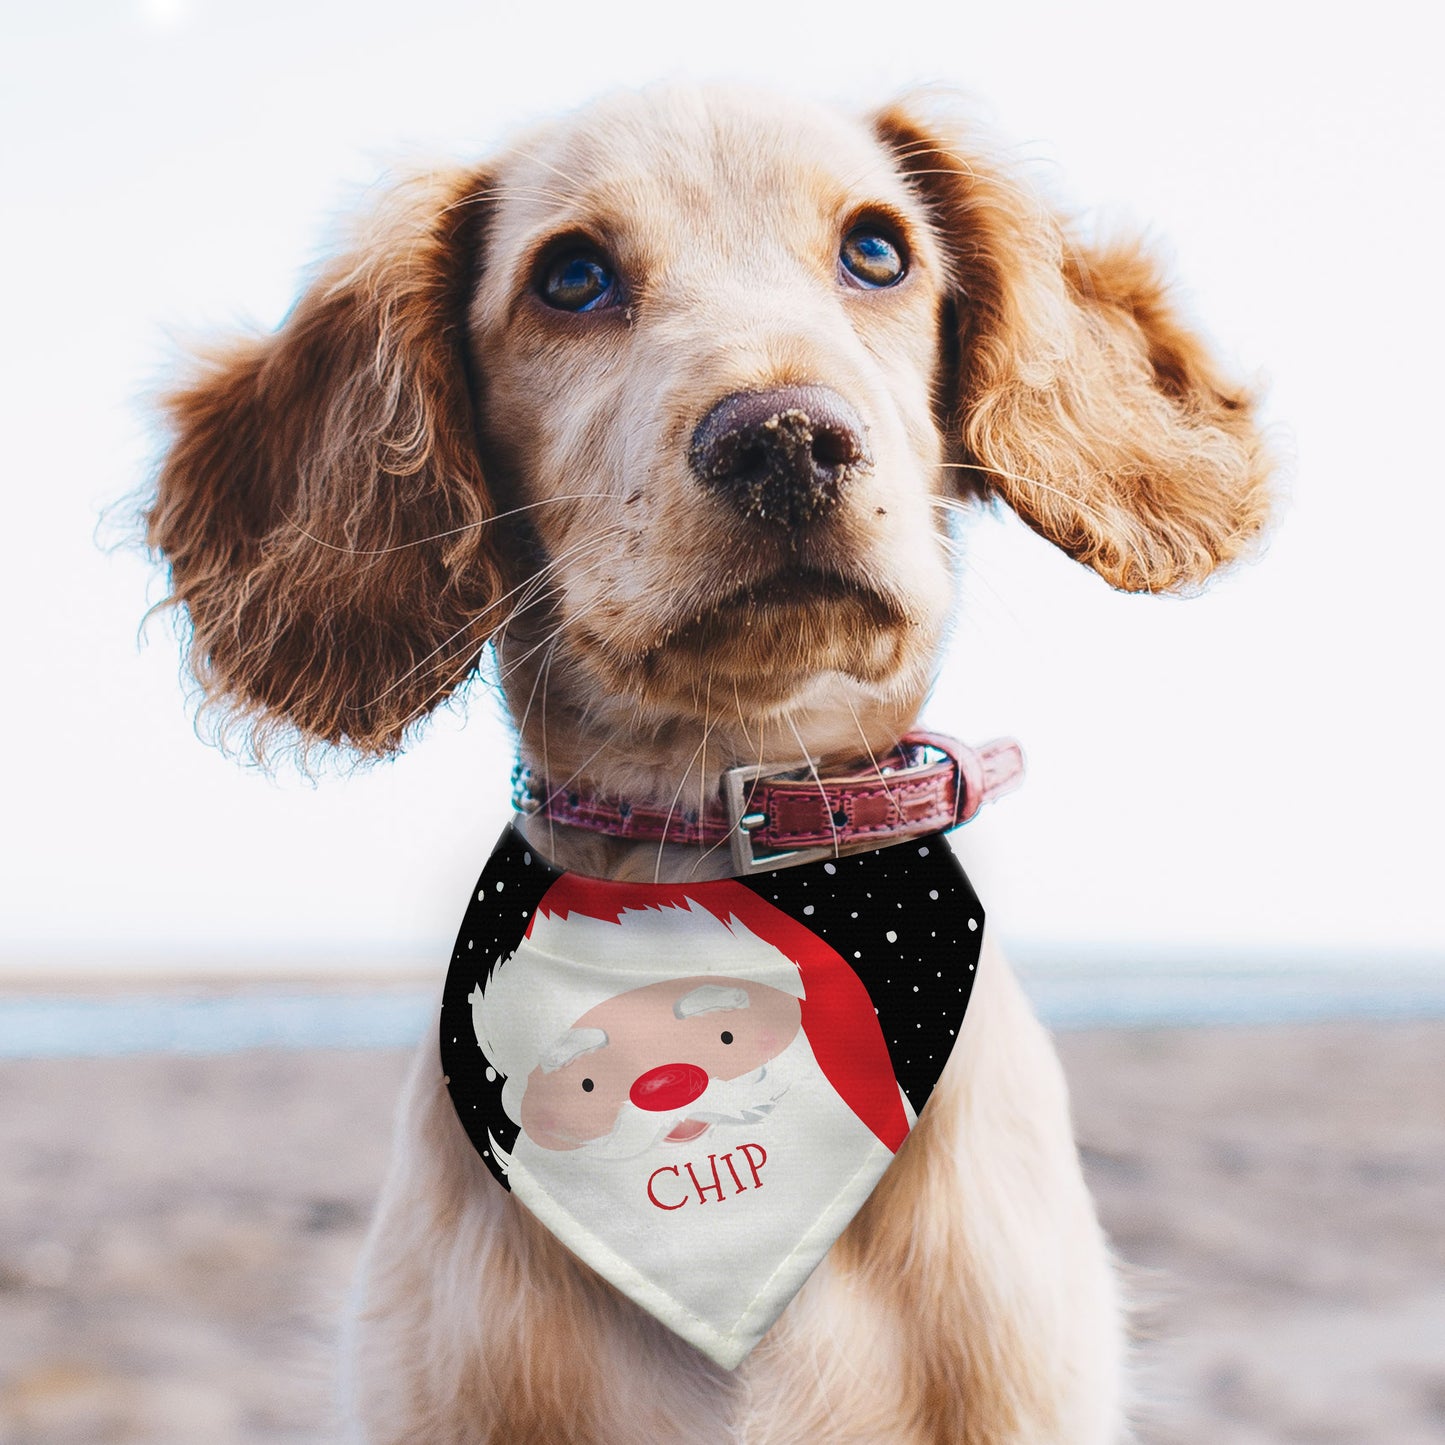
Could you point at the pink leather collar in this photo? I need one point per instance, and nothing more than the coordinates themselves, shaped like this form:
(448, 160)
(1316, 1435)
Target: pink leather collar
(792, 812)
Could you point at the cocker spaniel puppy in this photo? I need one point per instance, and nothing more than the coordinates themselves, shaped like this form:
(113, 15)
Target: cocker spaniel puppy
(519, 409)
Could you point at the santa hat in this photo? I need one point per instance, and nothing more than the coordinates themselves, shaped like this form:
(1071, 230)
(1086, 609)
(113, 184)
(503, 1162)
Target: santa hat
(592, 939)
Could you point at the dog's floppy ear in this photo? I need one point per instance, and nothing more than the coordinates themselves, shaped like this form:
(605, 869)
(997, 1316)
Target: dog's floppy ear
(1075, 391)
(322, 504)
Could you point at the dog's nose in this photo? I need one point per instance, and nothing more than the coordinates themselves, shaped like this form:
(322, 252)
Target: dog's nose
(780, 456)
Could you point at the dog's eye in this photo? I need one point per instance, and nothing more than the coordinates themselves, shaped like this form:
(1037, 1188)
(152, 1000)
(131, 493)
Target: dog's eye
(587, 1086)
(577, 281)
(870, 258)
(726, 1037)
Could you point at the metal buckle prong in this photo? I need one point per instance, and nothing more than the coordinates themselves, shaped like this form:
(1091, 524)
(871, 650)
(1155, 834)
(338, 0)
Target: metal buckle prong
(737, 789)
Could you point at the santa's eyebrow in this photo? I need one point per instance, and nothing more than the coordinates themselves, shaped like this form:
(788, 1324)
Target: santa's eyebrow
(709, 997)
(572, 1045)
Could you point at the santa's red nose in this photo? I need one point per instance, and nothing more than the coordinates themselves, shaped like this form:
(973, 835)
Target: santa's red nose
(669, 1086)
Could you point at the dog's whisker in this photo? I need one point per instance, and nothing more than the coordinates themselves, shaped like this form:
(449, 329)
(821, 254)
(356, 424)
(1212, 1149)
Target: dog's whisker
(452, 678)
(545, 672)
(727, 837)
(672, 808)
(471, 622)
(702, 766)
(863, 737)
(515, 664)
(742, 721)
(468, 657)
(532, 694)
(553, 577)
(506, 671)
(502, 192)
(541, 586)
(450, 532)
(961, 165)
(452, 673)
(554, 788)
(812, 768)
(548, 166)
(994, 605)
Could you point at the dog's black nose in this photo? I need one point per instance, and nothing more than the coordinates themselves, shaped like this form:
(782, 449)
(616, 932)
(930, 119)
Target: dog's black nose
(780, 456)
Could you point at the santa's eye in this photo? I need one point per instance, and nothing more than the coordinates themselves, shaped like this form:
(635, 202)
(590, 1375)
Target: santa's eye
(727, 1038)
(587, 1086)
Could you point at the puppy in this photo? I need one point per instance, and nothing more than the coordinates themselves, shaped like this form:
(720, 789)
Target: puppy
(485, 421)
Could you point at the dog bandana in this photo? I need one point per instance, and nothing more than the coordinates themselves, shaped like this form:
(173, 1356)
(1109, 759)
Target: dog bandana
(696, 1086)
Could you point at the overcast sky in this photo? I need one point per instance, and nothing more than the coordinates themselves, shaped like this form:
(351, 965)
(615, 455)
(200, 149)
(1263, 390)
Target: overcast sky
(1257, 769)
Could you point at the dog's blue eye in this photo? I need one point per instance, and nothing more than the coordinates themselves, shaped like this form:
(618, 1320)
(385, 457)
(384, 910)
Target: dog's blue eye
(870, 258)
(578, 281)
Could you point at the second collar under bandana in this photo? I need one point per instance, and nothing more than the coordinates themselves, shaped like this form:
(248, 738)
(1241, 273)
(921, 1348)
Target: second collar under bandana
(696, 1086)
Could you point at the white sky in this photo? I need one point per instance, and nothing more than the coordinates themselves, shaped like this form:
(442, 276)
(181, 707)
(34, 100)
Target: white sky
(1259, 769)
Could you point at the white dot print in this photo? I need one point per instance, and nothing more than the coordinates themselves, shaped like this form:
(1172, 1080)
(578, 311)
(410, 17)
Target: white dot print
(865, 919)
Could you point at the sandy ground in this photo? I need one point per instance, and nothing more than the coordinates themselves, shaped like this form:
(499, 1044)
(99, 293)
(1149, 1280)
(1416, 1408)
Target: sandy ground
(176, 1234)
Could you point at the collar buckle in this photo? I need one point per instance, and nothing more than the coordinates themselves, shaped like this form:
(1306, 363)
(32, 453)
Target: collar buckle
(738, 785)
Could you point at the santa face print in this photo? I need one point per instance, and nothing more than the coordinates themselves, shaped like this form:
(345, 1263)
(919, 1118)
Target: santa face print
(647, 1065)
(696, 1086)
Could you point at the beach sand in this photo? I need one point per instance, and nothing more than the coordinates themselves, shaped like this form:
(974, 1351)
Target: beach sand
(177, 1234)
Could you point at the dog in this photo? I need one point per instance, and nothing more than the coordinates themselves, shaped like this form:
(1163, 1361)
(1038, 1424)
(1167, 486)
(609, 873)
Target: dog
(524, 406)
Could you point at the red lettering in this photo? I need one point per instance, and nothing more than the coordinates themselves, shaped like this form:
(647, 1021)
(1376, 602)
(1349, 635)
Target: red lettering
(728, 1160)
(703, 1188)
(757, 1168)
(666, 1169)
(755, 1154)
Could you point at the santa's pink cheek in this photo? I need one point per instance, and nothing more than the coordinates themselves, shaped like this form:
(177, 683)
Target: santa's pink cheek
(558, 1117)
(746, 1052)
(562, 1131)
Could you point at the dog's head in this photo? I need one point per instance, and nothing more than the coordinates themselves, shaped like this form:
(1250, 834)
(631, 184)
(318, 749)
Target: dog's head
(672, 398)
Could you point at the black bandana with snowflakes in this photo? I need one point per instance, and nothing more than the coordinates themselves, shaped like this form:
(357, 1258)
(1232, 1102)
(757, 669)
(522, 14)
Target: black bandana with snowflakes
(695, 1086)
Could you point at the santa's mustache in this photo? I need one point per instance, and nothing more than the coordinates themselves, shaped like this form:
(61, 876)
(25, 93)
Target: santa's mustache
(743, 1100)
